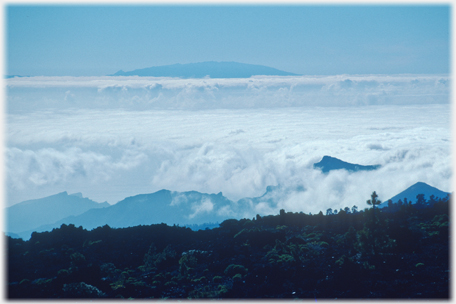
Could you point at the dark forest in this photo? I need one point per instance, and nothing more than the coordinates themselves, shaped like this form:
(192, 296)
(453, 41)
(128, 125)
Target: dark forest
(398, 252)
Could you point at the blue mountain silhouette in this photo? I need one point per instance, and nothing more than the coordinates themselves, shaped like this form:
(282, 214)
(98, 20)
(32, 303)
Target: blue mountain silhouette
(169, 207)
(164, 206)
(329, 163)
(33, 213)
(211, 69)
(411, 192)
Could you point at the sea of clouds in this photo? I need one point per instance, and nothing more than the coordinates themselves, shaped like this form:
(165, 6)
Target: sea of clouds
(143, 93)
(114, 137)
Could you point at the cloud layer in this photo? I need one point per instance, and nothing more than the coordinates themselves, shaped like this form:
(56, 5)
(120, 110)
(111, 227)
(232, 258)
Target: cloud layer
(146, 93)
(114, 137)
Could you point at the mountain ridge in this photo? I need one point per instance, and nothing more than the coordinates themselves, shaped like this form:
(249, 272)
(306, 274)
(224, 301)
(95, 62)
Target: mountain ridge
(163, 206)
(181, 208)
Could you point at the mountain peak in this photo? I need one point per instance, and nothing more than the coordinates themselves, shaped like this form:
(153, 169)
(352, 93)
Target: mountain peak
(118, 73)
(421, 185)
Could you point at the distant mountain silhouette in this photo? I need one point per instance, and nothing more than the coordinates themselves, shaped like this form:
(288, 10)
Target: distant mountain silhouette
(411, 192)
(34, 213)
(269, 198)
(329, 163)
(12, 76)
(164, 206)
(211, 69)
(190, 208)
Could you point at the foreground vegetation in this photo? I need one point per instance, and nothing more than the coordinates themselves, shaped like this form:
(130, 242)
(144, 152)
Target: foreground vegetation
(397, 252)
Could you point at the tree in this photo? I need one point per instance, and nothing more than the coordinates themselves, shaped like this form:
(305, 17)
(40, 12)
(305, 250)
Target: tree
(350, 239)
(329, 211)
(373, 236)
(347, 210)
(374, 201)
(420, 200)
(354, 209)
(186, 263)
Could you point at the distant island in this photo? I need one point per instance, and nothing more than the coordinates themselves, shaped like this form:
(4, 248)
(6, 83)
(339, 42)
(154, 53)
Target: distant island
(210, 69)
(13, 76)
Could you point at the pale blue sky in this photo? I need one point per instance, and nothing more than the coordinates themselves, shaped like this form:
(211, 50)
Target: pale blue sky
(304, 39)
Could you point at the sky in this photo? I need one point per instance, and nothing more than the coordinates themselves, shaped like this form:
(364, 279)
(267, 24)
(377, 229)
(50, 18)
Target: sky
(96, 40)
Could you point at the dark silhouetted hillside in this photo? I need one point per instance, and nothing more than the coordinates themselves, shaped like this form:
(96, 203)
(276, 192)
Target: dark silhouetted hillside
(360, 255)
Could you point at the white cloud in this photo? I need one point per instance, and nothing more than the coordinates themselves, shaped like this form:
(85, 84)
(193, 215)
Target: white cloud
(204, 206)
(178, 199)
(184, 151)
(226, 212)
(48, 166)
(141, 93)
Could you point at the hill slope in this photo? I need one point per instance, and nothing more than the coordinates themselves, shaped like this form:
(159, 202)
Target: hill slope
(209, 68)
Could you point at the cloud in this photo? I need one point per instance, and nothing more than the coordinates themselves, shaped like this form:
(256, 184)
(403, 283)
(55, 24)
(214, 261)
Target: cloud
(182, 150)
(48, 166)
(178, 199)
(376, 147)
(142, 93)
(125, 136)
(226, 212)
(204, 206)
